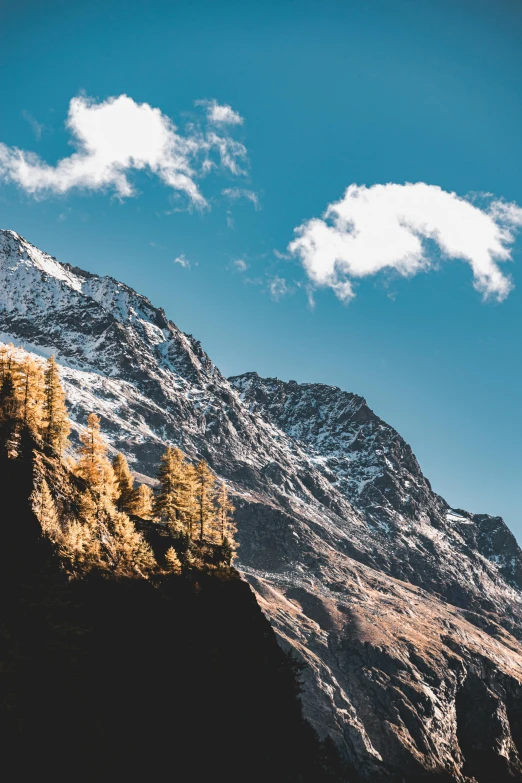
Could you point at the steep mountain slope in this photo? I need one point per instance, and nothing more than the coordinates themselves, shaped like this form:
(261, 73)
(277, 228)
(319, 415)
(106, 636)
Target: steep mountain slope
(369, 463)
(120, 675)
(407, 612)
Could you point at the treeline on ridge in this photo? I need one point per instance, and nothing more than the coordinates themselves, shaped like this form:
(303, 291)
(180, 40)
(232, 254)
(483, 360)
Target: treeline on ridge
(94, 529)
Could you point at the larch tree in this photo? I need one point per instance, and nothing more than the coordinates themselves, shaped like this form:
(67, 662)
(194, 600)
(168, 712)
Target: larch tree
(81, 546)
(189, 498)
(168, 499)
(206, 494)
(172, 561)
(9, 402)
(31, 394)
(56, 422)
(226, 527)
(45, 510)
(124, 484)
(129, 552)
(93, 465)
(142, 502)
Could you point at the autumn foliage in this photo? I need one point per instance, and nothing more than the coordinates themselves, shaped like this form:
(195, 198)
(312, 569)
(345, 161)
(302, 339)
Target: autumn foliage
(101, 529)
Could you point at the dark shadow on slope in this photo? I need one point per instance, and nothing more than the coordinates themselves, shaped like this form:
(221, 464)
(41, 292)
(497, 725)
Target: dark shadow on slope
(105, 679)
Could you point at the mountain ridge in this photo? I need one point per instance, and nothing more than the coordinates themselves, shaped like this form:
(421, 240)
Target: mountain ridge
(347, 546)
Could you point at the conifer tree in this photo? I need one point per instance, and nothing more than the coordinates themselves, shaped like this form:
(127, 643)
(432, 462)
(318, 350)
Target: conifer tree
(56, 422)
(142, 502)
(81, 546)
(93, 465)
(225, 520)
(206, 493)
(169, 497)
(45, 510)
(124, 484)
(172, 560)
(189, 499)
(31, 394)
(106, 539)
(9, 406)
(130, 553)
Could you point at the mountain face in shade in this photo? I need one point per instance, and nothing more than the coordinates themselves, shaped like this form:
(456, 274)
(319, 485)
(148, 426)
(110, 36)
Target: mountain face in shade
(407, 612)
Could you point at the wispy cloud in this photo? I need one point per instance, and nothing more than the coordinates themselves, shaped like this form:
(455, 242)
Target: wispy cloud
(117, 136)
(184, 262)
(221, 113)
(38, 127)
(240, 265)
(386, 227)
(278, 287)
(235, 194)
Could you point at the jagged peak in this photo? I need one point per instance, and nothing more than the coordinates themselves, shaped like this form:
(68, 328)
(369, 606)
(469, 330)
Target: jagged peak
(251, 379)
(16, 251)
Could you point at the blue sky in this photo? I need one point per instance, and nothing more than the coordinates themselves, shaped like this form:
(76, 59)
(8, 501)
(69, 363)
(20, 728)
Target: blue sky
(331, 94)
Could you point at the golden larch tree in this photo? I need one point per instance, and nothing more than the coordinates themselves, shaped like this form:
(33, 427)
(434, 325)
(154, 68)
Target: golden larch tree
(225, 527)
(56, 422)
(93, 464)
(31, 394)
(45, 510)
(142, 502)
(189, 502)
(168, 501)
(205, 497)
(124, 484)
(172, 561)
(129, 552)
(81, 546)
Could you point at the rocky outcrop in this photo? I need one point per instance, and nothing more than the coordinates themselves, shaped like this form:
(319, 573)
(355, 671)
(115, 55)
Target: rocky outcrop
(408, 612)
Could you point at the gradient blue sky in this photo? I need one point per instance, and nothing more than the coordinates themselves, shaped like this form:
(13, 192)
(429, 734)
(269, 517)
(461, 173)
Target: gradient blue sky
(332, 93)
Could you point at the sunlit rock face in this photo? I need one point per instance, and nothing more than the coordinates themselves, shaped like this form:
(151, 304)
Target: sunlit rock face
(407, 612)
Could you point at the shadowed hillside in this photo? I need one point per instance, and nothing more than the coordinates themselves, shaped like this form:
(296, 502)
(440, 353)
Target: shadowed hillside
(113, 676)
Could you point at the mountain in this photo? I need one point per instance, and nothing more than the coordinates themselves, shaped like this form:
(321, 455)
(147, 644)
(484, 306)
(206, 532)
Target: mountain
(407, 612)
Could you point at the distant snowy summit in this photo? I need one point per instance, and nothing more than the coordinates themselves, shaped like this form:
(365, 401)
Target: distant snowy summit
(407, 612)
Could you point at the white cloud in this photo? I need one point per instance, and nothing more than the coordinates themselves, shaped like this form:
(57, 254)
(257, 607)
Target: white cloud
(386, 227)
(38, 127)
(234, 194)
(115, 137)
(221, 114)
(182, 261)
(277, 287)
(241, 265)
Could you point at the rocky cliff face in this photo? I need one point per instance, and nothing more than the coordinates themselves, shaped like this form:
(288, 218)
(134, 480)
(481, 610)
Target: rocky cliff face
(408, 612)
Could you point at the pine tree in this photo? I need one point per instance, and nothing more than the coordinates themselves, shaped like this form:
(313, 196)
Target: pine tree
(93, 465)
(130, 553)
(124, 484)
(172, 560)
(56, 422)
(31, 394)
(169, 498)
(189, 499)
(206, 493)
(226, 528)
(142, 502)
(81, 547)
(45, 510)
(9, 405)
